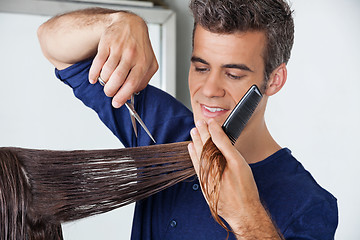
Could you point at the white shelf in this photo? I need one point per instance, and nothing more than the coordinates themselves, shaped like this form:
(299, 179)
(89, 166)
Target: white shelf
(156, 14)
(117, 2)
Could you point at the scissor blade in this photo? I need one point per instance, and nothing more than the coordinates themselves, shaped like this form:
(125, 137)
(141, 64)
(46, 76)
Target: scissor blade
(137, 117)
(134, 124)
(132, 115)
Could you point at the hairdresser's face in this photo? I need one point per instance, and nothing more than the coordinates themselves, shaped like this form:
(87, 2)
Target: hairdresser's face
(223, 68)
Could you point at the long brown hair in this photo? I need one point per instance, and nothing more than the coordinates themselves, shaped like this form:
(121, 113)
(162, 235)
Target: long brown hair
(212, 166)
(40, 189)
(19, 219)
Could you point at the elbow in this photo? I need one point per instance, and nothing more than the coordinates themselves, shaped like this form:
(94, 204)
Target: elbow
(45, 42)
(41, 37)
(40, 33)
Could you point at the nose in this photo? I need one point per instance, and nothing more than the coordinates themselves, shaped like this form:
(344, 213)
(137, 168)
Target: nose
(213, 87)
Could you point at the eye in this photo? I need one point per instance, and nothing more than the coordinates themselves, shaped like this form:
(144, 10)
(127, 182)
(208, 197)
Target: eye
(235, 77)
(201, 69)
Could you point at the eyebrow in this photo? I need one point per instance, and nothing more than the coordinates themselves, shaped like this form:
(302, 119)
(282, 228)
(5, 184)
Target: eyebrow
(237, 66)
(200, 60)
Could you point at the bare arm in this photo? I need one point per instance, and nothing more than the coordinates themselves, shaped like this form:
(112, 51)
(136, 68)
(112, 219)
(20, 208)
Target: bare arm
(118, 41)
(239, 202)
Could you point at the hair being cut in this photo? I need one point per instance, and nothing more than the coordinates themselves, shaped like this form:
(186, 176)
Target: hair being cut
(40, 189)
(273, 17)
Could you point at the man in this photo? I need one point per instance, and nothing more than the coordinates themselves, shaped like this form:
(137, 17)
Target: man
(265, 193)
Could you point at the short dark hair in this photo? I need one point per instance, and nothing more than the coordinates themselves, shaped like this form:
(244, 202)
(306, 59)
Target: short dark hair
(273, 17)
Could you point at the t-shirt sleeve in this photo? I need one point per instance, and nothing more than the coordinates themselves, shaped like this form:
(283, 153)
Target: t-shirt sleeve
(319, 222)
(166, 118)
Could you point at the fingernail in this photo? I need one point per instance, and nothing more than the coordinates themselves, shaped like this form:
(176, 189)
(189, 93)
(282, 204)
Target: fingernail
(190, 147)
(193, 131)
(116, 104)
(200, 122)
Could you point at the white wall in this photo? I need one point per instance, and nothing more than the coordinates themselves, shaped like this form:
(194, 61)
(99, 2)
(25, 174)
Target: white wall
(317, 114)
(184, 25)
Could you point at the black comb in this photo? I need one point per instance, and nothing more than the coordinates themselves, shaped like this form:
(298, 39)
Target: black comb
(236, 121)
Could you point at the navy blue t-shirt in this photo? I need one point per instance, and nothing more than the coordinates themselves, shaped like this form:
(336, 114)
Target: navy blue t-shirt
(300, 208)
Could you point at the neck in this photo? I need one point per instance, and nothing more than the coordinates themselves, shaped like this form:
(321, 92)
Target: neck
(255, 143)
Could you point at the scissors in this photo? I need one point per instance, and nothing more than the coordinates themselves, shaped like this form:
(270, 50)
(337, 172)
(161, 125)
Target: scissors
(133, 114)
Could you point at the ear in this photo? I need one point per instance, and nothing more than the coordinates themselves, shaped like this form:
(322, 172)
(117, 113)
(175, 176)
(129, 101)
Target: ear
(277, 80)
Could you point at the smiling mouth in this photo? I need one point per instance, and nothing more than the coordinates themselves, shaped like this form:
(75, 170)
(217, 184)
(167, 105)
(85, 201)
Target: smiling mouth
(213, 110)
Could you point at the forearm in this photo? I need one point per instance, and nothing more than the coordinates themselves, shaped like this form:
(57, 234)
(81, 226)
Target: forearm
(255, 223)
(117, 41)
(72, 37)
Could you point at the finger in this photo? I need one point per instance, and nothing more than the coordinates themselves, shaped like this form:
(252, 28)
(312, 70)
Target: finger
(129, 87)
(109, 67)
(194, 157)
(202, 127)
(196, 163)
(223, 143)
(197, 141)
(97, 65)
(149, 74)
(117, 78)
(133, 72)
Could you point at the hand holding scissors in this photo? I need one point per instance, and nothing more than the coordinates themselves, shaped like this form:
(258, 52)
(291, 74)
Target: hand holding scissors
(133, 114)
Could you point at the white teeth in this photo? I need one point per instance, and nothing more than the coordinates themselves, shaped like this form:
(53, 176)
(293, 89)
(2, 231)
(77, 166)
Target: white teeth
(213, 109)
